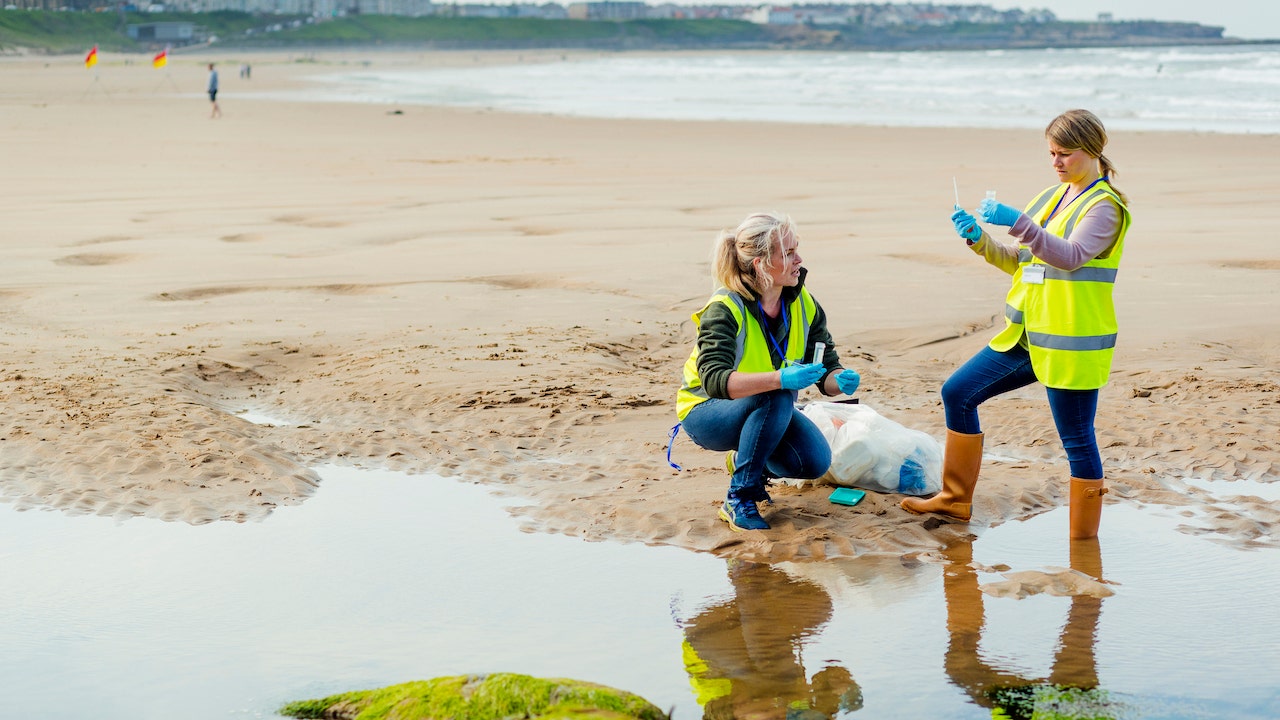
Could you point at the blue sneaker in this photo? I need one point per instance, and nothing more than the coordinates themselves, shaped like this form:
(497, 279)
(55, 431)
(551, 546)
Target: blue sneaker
(742, 515)
(731, 464)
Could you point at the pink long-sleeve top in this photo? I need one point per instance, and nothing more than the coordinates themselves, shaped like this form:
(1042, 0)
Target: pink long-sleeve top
(1093, 235)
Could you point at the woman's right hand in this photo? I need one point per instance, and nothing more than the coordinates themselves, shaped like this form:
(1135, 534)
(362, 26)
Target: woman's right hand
(800, 375)
(966, 226)
(998, 213)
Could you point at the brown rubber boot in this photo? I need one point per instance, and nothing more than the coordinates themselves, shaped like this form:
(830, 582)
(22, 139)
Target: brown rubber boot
(960, 465)
(1086, 508)
(1086, 557)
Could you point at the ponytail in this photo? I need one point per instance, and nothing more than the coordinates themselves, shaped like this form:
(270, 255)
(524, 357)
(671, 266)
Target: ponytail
(1109, 172)
(734, 253)
(725, 265)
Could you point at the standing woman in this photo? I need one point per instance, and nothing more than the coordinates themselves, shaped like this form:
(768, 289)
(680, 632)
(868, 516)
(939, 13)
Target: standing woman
(754, 352)
(1060, 322)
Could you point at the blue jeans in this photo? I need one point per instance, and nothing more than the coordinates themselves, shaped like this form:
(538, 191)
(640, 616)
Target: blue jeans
(991, 373)
(772, 437)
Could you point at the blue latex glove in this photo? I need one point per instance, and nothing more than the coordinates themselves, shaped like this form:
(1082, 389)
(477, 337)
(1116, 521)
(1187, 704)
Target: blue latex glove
(848, 381)
(801, 375)
(998, 213)
(966, 226)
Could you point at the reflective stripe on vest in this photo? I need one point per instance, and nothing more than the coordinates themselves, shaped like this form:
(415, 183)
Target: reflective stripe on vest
(1068, 320)
(1084, 273)
(751, 352)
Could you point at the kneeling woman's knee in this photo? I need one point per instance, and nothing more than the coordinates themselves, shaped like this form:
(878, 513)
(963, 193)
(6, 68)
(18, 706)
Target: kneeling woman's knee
(954, 393)
(811, 453)
(781, 400)
(818, 462)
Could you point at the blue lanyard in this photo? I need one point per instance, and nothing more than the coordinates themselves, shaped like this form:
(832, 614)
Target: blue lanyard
(671, 440)
(1054, 211)
(786, 331)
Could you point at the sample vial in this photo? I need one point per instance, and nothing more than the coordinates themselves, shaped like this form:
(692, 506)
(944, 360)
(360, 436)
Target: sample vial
(991, 194)
(819, 349)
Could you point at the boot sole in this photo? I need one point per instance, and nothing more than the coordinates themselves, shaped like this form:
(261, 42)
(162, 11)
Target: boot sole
(961, 518)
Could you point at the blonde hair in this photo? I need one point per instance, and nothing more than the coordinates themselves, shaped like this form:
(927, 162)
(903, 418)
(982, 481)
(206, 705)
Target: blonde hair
(1082, 130)
(735, 251)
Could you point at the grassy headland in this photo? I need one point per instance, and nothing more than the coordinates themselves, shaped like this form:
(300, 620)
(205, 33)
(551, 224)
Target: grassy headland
(65, 32)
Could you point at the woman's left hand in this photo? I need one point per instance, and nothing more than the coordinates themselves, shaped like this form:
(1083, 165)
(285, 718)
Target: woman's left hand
(848, 381)
(966, 227)
(998, 213)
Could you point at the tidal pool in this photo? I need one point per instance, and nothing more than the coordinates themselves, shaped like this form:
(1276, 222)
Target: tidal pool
(383, 577)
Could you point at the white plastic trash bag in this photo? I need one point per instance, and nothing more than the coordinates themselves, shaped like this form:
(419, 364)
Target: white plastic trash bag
(872, 452)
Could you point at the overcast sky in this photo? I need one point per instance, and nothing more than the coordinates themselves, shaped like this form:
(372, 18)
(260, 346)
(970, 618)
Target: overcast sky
(1251, 19)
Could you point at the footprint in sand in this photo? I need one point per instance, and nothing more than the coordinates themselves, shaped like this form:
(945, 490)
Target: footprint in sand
(104, 239)
(1253, 264)
(93, 259)
(309, 222)
(202, 293)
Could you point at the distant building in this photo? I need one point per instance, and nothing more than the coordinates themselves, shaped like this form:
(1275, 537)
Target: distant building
(547, 11)
(608, 11)
(481, 11)
(173, 33)
(776, 15)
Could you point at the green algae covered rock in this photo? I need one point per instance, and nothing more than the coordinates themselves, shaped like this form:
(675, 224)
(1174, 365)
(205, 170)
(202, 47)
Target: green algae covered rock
(481, 697)
(1054, 702)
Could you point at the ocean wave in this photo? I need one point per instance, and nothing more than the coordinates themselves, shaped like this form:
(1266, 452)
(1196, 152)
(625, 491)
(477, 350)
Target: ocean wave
(1212, 88)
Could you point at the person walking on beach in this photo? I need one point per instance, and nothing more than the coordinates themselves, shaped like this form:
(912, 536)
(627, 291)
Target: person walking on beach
(213, 92)
(755, 351)
(1060, 321)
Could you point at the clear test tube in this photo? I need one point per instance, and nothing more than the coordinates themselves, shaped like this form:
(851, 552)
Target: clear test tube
(819, 349)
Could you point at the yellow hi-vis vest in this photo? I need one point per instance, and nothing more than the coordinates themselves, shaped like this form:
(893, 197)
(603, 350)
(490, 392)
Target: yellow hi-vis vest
(1069, 320)
(706, 687)
(752, 345)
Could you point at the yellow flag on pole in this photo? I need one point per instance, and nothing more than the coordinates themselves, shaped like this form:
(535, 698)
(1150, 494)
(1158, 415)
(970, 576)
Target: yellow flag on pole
(92, 58)
(161, 59)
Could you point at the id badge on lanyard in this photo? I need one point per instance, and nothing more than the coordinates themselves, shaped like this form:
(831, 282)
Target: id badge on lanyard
(1033, 274)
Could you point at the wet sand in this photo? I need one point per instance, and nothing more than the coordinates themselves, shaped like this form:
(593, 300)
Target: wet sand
(506, 298)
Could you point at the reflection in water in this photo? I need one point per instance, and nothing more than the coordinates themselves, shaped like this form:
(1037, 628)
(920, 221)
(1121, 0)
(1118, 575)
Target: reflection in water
(1074, 665)
(744, 655)
(379, 578)
(383, 577)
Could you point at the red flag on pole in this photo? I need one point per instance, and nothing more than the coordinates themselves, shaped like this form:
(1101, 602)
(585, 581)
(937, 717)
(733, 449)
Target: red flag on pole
(161, 59)
(92, 58)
